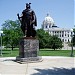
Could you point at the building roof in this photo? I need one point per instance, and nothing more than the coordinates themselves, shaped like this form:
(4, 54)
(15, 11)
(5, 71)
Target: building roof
(58, 29)
(48, 20)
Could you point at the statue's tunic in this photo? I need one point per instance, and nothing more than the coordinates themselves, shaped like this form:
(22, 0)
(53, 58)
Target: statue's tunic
(28, 22)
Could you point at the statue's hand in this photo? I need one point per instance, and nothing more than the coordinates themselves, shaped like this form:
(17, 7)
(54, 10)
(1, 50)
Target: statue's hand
(18, 14)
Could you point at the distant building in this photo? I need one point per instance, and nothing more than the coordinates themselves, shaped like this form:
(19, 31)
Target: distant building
(49, 26)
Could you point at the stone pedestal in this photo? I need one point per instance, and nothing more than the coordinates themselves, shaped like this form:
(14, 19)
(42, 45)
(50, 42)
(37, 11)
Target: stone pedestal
(28, 49)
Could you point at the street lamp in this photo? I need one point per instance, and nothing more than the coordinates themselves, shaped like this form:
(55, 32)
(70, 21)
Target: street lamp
(1, 32)
(72, 43)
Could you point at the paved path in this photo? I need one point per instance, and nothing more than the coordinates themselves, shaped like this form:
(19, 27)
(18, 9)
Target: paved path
(49, 66)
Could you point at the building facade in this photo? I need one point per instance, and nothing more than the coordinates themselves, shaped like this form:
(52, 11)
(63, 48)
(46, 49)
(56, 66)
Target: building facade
(49, 26)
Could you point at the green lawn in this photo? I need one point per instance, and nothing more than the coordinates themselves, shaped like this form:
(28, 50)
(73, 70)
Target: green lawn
(55, 53)
(42, 52)
(9, 53)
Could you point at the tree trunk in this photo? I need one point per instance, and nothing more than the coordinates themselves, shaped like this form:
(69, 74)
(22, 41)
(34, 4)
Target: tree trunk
(12, 47)
(54, 49)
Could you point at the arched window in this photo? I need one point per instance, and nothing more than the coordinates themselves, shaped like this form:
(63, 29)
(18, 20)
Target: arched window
(46, 26)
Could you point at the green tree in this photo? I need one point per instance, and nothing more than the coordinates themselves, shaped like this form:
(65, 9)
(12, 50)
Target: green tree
(74, 37)
(43, 38)
(55, 42)
(47, 41)
(12, 33)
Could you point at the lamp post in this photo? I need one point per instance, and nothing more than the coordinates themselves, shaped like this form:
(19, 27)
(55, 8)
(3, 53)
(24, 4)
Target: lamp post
(1, 32)
(72, 43)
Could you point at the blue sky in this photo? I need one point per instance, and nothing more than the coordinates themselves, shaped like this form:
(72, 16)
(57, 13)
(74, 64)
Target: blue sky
(62, 11)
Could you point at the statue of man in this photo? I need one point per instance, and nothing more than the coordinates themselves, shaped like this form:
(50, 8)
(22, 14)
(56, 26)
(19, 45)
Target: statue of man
(28, 21)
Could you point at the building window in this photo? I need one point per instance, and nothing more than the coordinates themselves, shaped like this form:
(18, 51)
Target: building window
(62, 35)
(57, 31)
(49, 26)
(46, 26)
(68, 40)
(68, 35)
(68, 32)
(53, 32)
(71, 33)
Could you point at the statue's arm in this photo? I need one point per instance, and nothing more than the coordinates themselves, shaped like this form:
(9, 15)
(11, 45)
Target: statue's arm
(35, 19)
(19, 17)
(33, 14)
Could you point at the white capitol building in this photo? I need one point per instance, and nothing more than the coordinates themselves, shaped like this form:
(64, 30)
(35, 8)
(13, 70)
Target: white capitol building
(64, 34)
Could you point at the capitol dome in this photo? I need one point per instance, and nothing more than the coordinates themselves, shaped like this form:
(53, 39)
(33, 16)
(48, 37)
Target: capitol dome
(48, 19)
(48, 22)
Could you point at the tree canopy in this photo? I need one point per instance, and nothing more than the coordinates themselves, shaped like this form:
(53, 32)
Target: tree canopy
(12, 33)
(43, 38)
(55, 42)
(48, 41)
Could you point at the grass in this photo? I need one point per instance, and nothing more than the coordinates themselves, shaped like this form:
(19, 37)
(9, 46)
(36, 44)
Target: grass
(55, 53)
(42, 52)
(9, 53)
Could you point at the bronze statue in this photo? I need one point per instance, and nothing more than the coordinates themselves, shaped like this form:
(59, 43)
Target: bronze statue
(28, 21)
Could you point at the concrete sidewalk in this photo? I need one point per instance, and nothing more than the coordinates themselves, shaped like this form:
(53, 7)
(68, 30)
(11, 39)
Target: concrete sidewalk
(49, 66)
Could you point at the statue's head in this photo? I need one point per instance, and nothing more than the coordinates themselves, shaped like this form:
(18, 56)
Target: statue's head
(28, 5)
